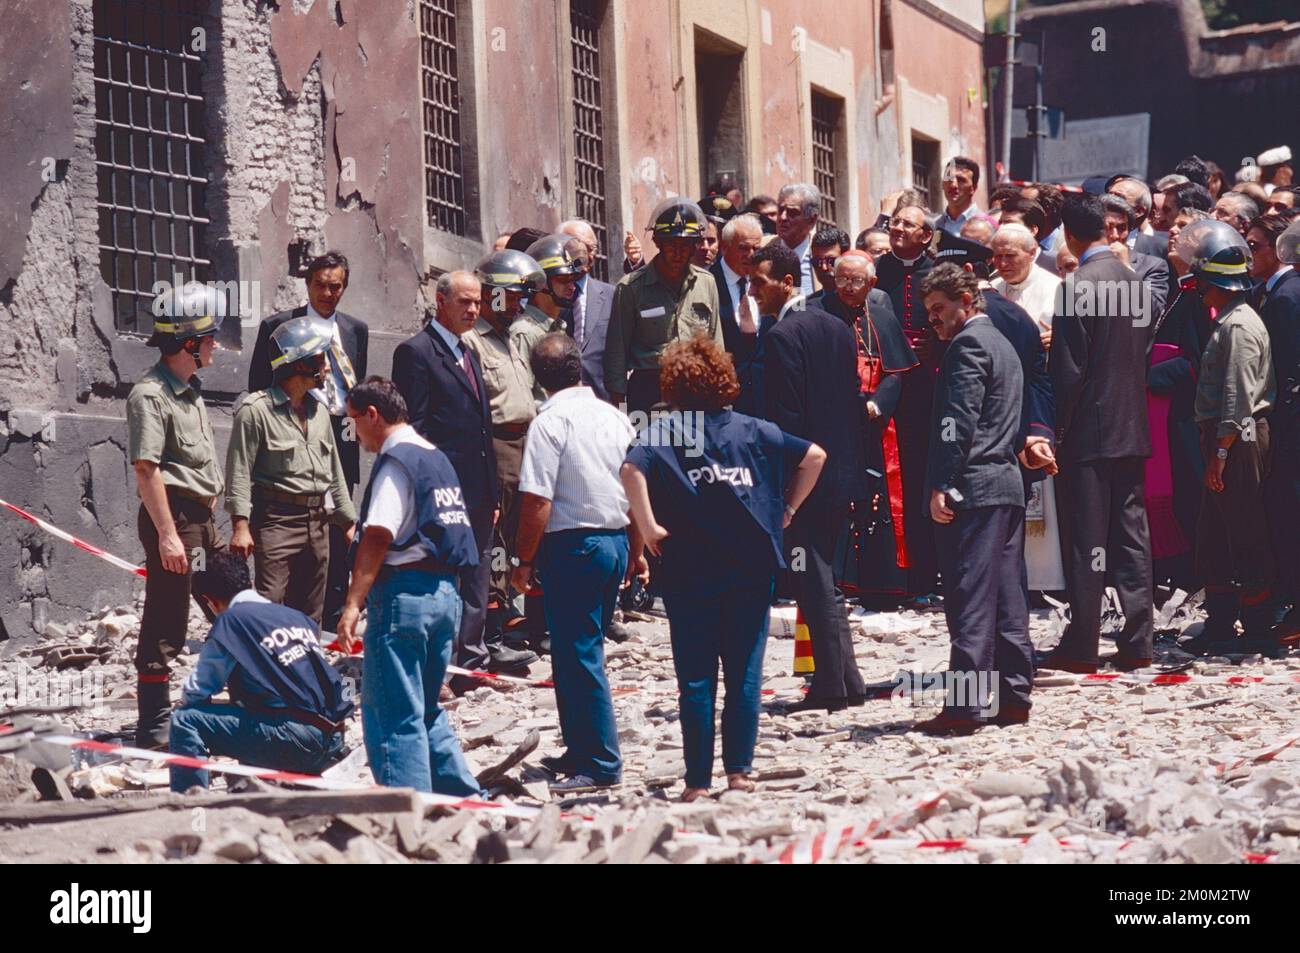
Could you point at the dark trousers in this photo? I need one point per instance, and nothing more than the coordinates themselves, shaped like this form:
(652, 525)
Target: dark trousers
(1282, 506)
(336, 581)
(584, 568)
(291, 552)
(982, 557)
(471, 645)
(261, 740)
(1105, 537)
(810, 542)
(643, 391)
(165, 621)
(912, 423)
(727, 624)
(510, 455)
(1233, 545)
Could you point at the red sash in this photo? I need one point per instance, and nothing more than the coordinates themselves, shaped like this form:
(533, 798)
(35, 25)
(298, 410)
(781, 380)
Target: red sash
(870, 372)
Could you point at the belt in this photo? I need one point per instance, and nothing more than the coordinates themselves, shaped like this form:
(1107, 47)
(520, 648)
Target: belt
(509, 430)
(300, 715)
(432, 566)
(190, 495)
(313, 501)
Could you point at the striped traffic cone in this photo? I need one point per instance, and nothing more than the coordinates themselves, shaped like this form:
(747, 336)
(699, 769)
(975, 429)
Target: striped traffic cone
(803, 654)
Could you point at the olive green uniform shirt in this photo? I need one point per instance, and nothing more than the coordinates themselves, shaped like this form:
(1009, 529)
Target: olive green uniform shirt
(270, 447)
(1236, 382)
(167, 424)
(647, 315)
(509, 378)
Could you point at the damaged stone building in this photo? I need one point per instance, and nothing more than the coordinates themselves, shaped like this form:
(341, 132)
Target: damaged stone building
(226, 140)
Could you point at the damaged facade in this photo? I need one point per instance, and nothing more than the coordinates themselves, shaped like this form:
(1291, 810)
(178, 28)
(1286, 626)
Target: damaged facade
(226, 139)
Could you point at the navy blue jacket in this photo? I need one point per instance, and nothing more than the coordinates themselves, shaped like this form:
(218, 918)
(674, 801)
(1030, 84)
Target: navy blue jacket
(1038, 415)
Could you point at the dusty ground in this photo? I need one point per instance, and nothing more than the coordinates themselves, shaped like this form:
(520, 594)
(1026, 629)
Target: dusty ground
(1119, 771)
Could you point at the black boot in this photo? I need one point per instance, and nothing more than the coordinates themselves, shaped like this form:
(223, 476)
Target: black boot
(154, 708)
(1220, 622)
(1257, 619)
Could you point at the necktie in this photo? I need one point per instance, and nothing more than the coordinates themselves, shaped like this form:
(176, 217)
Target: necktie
(341, 378)
(579, 309)
(468, 368)
(745, 319)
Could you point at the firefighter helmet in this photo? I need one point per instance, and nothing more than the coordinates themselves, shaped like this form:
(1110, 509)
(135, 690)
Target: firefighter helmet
(193, 310)
(1216, 253)
(511, 270)
(677, 218)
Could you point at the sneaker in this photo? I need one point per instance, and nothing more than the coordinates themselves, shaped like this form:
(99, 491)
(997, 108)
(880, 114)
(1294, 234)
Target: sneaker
(577, 783)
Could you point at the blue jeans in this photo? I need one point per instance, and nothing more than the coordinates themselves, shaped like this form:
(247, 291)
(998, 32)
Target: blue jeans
(412, 620)
(266, 741)
(707, 625)
(583, 569)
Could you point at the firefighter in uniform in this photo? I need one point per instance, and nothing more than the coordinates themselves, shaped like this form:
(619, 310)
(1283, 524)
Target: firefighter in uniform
(170, 446)
(669, 300)
(508, 279)
(1235, 392)
(282, 465)
(563, 259)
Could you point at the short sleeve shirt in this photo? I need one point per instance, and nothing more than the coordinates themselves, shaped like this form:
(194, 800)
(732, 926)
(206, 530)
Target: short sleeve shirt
(167, 424)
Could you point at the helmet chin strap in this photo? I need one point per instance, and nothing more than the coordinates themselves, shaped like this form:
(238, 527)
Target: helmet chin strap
(192, 347)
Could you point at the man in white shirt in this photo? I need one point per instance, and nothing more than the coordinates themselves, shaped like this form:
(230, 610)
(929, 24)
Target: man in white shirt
(961, 177)
(798, 207)
(1021, 280)
(573, 519)
(415, 539)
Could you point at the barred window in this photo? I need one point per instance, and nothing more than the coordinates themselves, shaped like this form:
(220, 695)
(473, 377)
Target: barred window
(444, 160)
(827, 118)
(150, 138)
(588, 122)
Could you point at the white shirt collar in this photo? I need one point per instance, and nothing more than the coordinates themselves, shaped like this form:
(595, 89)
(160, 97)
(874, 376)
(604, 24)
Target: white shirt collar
(796, 301)
(313, 313)
(803, 249)
(399, 435)
(908, 262)
(1276, 276)
(248, 595)
(452, 340)
(730, 276)
(577, 392)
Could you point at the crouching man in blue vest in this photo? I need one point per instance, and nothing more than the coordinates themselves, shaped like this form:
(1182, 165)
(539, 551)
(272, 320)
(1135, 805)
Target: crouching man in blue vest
(415, 538)
(288, 706)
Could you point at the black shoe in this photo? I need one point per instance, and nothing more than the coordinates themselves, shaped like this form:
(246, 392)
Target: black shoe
(556, 764)
(153, 716)
(830, 706)
(618, 633)
(505, 659)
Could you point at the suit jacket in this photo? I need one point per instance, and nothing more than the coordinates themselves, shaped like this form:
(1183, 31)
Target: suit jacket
(1038, 411)
(810, 389)
(600, 298)
(354, 334)
(748, 360)
(1156, 245)
(444, 410)
(976, 422)
(1098, 368)
(1156, 275)
(1281, 314)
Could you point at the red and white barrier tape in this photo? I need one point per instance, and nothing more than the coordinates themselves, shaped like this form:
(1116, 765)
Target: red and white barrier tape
(57, 533)
(1268, 754)
(1166, 678)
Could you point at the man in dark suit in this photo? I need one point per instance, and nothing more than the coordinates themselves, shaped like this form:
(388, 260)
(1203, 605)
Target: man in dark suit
(1098, 371)
(1153, 271)
(810, 389)
(1137, 195)
(977, 501)
(590, 309)
(1278, 303)
(739, 240)
(441, 380)
(327, 279)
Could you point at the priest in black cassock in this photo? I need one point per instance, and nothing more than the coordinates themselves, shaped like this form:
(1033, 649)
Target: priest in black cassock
(898, 274)
(873, 558)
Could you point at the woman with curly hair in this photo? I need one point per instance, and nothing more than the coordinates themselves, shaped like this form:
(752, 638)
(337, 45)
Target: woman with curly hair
(710, 492)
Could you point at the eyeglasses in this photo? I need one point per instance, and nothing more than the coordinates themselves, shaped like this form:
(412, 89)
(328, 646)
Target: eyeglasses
(844, 281)
(1252, 244)
(826, 262)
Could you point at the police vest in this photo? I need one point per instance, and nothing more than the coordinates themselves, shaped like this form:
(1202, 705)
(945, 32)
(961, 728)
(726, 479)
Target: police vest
(441, 521)
(278, 661)
(725, 486)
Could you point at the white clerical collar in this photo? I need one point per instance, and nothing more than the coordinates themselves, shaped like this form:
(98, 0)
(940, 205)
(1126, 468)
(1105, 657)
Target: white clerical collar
(908, 262)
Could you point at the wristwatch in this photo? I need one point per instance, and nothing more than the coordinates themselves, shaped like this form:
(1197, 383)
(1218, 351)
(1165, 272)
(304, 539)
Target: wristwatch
(517, 562)
(1221, 453)
(790, 510)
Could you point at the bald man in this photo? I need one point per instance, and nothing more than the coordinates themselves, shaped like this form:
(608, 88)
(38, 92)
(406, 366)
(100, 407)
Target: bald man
(441, 380)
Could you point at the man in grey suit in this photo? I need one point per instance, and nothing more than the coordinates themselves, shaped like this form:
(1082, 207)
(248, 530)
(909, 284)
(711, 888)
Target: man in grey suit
(1151, 269)
(590, 310)
(1098, 370)
(977, 503)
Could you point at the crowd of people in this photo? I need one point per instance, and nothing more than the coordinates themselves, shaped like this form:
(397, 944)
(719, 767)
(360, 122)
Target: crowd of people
(1077, 390)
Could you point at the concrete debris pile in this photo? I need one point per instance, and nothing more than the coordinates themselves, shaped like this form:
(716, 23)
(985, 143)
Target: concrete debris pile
(1120, 771)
